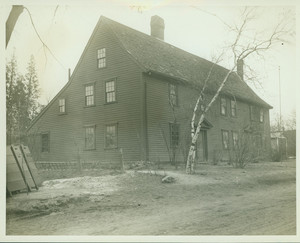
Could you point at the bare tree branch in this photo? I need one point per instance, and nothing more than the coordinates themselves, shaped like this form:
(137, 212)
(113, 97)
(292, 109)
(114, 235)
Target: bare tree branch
(215, 15)
(12, 20)
(44, 44)
(241, 50)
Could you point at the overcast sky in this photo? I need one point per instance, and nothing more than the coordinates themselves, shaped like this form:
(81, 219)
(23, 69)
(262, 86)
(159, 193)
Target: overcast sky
(189, 25)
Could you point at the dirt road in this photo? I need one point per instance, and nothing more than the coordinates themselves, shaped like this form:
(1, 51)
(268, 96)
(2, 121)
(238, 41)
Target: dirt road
(219, 200)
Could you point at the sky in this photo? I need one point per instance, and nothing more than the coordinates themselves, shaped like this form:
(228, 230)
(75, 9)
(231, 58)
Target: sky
(194, 26)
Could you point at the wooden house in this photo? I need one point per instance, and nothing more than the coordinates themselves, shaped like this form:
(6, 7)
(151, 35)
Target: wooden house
(134, 93)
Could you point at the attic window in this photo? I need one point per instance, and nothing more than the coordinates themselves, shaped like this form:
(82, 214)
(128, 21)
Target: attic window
(62, 105)
(101, 58)
(173, 94)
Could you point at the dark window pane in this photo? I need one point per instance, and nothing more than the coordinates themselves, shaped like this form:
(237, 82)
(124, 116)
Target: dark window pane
(89, 137)
(111, 136)
(223, 106)
(233, 108)
(225, 139)
(45, 142)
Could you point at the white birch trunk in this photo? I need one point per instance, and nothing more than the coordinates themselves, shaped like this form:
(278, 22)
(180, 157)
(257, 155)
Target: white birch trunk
(190, 163)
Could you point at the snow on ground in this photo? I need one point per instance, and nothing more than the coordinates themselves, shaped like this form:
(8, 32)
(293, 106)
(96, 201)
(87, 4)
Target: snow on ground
(54, 194)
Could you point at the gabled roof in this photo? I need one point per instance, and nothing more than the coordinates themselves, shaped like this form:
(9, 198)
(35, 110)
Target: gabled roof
(159, 57)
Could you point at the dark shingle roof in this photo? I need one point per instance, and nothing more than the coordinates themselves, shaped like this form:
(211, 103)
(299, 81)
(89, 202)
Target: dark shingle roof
(160, 57)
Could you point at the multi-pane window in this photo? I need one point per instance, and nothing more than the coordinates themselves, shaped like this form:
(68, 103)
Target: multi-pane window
(62, 105)
(223, 106)
(45, 142)
(173, 94)
(233, 108)
(101, 55)
(174, 134)
(235, 139)
(110, 91)
(111, 139)
(261, 115)
(89, 95)
(225, 139)
(89, 137)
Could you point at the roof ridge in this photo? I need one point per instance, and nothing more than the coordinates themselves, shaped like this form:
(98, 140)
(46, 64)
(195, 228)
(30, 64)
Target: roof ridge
(122, 45)
(161, 57)
(158, 40)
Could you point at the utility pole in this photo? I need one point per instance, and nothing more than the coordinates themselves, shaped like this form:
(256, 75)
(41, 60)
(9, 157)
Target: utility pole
(280, 121)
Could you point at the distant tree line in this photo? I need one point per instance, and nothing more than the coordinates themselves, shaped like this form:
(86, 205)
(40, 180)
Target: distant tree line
(22, 94)
(280, 124)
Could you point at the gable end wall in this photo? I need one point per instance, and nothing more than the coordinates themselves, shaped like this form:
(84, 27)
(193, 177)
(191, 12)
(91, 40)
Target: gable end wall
(67, 130)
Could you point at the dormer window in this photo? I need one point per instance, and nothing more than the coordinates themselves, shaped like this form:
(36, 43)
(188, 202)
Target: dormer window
(101, 56)
(62, 105)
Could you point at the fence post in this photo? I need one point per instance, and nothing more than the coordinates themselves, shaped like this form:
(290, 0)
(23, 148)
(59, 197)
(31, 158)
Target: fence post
(122, 160)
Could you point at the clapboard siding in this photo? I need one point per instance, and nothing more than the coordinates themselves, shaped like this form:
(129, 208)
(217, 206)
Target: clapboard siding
(142, 111)
(67, 130)
(159, 113)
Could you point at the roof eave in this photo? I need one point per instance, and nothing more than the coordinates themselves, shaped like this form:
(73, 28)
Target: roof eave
(189, 83)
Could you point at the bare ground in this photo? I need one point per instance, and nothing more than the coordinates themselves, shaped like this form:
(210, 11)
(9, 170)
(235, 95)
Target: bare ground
(218, 200)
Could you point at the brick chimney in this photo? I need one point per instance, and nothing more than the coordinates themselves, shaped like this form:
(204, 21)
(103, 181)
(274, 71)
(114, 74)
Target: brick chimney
(240, 68)
(157, 27)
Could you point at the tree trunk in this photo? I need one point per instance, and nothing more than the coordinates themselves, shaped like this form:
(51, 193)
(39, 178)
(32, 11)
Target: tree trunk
(12, 19)
(190, 163)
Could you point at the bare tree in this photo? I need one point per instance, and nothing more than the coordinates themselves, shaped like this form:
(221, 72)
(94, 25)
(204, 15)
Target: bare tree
(291, 121)
(241, 48)
(280, 123)
(12, 20)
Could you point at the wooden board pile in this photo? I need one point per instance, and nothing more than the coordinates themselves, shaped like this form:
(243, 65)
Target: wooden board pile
(21, 172)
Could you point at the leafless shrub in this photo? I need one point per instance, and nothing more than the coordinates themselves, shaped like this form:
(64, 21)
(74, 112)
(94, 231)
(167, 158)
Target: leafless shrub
(217, 156)
(244, 151)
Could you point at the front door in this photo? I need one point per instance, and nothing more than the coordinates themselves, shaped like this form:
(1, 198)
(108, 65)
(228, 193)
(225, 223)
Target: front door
(202, 148)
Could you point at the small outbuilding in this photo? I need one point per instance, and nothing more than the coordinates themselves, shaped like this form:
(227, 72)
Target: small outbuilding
(279, 146)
